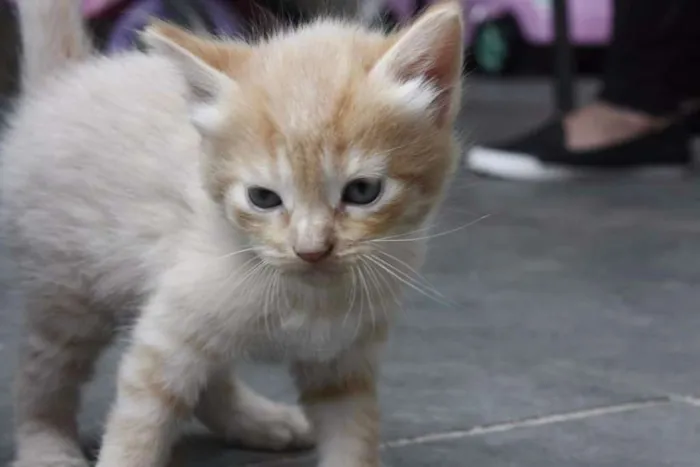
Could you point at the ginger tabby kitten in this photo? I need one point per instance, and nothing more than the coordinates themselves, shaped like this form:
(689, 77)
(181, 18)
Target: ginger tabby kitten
(231, 200)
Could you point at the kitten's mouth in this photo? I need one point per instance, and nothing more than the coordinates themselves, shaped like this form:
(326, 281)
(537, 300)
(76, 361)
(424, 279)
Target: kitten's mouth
(329, 268)
(324, 267)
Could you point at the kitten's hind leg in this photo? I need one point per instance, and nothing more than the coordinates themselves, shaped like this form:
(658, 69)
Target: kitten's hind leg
(64, 339)
(235, 412)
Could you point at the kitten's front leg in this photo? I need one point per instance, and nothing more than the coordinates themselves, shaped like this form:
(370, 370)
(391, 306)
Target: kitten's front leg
(159, 381)
(341, 401)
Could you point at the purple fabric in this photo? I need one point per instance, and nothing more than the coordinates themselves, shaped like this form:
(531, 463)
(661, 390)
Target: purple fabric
(591, 20)
(137, 15)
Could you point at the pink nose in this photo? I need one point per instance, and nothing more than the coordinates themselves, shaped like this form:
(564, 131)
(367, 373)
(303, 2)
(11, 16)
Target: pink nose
(316, 255)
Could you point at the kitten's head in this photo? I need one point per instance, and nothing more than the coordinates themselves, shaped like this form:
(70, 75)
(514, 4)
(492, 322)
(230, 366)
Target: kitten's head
(321, 140)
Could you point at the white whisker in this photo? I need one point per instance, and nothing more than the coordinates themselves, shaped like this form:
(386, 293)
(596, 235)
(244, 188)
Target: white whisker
(404, 234)
(389, 286)
(252, 271)
(387, 268)
(418, 277)
(267, 284)
(375, 279)
(363, 293)
(439, 234)
(234, 253)
(369, 295)
(418, 280)
(353, 293)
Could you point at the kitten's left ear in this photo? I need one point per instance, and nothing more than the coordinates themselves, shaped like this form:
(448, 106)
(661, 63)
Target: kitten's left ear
(204, 65)
(426, 62)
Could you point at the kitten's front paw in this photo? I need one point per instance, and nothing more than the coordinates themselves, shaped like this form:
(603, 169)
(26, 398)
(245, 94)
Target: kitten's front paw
(272, 426)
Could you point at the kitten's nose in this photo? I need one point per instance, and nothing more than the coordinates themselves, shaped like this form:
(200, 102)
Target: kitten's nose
(315, 256)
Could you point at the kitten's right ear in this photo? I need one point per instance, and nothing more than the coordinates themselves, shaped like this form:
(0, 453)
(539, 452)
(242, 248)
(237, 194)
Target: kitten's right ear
(203, 63)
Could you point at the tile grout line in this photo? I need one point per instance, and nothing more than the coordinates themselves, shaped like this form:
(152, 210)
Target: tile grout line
(528, 423)
(688, 400)
(505, 426)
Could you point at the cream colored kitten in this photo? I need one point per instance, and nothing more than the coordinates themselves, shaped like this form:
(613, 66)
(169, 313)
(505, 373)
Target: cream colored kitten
(234, 200)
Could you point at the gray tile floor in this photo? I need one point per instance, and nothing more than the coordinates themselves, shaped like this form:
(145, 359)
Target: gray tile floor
(573, 340)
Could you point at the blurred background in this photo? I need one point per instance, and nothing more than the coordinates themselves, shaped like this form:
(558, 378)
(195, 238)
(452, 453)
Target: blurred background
(505, 38)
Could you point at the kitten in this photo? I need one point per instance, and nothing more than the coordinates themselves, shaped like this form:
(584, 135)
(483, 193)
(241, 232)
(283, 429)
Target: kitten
(235, 201)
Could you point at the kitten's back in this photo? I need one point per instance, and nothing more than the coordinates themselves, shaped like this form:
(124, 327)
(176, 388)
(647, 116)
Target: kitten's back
(95, 167)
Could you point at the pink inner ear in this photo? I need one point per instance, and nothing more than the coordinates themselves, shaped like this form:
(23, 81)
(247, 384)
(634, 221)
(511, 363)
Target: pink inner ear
(438, 63)
(444, 72)
(442, 106)
(444, 69)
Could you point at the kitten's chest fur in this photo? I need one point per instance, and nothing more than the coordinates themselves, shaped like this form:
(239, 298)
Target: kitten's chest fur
(315, 324)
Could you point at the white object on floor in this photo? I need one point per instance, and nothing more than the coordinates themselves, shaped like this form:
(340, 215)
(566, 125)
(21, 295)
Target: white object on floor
(519, 166)
(513, 165)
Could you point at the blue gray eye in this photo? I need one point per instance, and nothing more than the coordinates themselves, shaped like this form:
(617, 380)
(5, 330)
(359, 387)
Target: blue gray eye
(362, 191)
(263, 198)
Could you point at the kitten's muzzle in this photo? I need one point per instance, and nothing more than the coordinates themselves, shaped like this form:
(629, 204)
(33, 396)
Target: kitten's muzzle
(317, 255)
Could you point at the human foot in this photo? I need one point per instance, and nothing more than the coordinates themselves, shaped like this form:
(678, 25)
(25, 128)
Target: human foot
(596, 138)
(600, 125)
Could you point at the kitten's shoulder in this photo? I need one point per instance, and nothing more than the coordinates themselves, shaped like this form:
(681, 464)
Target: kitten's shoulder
(134, 92)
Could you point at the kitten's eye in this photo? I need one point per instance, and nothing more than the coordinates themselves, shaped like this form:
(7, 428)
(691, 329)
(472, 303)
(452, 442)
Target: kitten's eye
(362, 191)
(263, 198)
